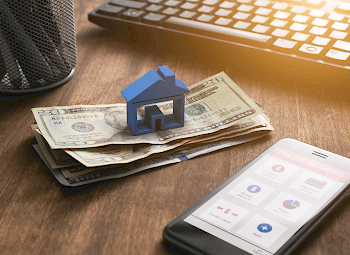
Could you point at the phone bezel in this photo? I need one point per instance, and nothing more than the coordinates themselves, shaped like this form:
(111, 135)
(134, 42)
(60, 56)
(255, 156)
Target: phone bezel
(190, 243)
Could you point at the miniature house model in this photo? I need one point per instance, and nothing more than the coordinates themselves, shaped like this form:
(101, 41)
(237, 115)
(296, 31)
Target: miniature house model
(155, 87)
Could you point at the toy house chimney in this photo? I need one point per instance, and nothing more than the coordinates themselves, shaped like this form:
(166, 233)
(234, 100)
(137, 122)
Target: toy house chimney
(166, 74)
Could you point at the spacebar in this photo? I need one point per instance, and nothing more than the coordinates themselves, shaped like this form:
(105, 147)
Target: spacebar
(218, 29)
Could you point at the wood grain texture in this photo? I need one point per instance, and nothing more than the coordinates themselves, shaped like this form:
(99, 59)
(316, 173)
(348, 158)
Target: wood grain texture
(127, 216)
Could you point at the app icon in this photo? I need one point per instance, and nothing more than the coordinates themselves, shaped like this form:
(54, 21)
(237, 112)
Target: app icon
(253, 188)
(315, 183)
(227, 211)
(278, 168)
(291, 204)
(264, 228)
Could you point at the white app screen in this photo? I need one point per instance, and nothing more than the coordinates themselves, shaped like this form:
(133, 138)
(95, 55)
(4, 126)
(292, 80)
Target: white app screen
(267, 204)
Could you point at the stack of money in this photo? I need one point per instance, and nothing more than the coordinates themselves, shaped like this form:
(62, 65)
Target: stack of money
(84, 144)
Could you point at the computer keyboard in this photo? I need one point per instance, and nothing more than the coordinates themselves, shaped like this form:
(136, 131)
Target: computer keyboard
(314, 30)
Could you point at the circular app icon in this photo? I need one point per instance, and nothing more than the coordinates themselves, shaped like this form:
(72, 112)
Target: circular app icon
(253, 188)
(264, 227)
(278, 168)
(291, 204)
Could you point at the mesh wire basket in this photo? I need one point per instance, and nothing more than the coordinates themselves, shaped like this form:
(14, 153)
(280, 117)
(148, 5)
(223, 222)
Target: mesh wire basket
(37, 44)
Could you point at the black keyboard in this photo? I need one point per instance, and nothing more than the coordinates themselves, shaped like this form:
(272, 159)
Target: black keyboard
(314, 30)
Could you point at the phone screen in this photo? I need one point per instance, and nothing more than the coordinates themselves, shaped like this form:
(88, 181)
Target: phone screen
(268, 203)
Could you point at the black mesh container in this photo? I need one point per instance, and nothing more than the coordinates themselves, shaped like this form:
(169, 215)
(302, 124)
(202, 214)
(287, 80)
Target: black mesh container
(37, 44)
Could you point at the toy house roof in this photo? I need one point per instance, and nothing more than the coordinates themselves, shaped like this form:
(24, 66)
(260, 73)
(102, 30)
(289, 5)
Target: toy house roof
(154, 85)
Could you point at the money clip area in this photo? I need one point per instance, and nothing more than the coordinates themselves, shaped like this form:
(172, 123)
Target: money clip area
(155, 87)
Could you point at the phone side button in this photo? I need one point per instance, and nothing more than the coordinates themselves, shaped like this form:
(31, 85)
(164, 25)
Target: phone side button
(348, 194)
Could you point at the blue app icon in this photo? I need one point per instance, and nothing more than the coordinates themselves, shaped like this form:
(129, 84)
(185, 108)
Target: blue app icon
(253, 188)
(264, 227)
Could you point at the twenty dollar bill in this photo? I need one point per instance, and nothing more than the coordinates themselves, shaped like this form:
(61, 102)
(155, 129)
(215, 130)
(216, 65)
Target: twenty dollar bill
(214, 104)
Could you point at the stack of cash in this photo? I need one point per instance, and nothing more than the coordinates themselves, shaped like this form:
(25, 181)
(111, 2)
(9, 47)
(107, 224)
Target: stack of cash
(84, 144)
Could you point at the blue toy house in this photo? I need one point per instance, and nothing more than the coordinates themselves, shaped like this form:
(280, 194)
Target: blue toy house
(155, 87)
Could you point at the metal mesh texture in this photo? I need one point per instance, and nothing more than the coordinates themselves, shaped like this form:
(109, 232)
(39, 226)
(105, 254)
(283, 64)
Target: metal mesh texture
(37, 43)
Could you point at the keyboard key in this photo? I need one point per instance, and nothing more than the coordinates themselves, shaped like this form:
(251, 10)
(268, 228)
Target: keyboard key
(317, 4)
(260, 29)
(155, 1)
(206, 9)
(154, 8)
(283, 43)
(317, 13)
(340, 25)
(241, 15)
(300, 37)
(318, 40)
(280, 32)
(129, 4)
(223, 12)
(338, 55)
(296, 2)
(280, 6)
(320, 22)
(278, 23)
(318, 30)
(300, 18)
(298, 9)
(110, 10)
(263, 11)
(311, 49)
(188, 14)
(342, 45)
(172, 3)
(223, 21)
(205, 17)
(253, 37)
(343, 8)
(260, 19)
(188, 6)
(298, 27)
(227, 4)
(262, 3)
(338, 34)
(245, 8)
(281, 15)
(244, 1)
(210, 2)
(242, 25)
(154, 18)
(336, 17)
(133, 14)
(170, 11)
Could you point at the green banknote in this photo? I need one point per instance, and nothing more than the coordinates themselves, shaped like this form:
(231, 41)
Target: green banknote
(214, 104)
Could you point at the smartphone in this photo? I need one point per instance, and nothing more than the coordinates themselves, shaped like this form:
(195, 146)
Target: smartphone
(268, 207)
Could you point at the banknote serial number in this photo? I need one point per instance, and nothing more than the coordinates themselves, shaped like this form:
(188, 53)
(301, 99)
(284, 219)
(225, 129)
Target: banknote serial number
(206, 116)
(62, 118)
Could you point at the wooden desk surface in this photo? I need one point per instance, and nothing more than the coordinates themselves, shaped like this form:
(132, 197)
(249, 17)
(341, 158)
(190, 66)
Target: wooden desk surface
(127, 216)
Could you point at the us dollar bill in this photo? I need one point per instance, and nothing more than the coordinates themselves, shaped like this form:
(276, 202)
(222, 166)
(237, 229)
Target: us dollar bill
(56, 158)
(80, 175)
(213, 104)
(110, 155)
(100, 156)
(122, 154)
